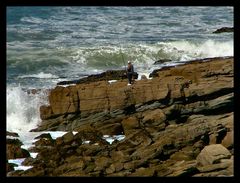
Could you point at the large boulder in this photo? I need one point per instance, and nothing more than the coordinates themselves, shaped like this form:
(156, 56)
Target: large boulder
(14, 149)
(130, 125)
(154, 118)
(212, 154)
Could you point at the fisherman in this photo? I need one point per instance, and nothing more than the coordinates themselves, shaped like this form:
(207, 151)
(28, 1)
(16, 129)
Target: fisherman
(130, 72)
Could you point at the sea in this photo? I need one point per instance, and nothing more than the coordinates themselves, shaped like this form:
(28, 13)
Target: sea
(49, 44)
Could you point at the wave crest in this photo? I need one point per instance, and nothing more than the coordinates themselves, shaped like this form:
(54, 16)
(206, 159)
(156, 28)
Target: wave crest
(40, 75)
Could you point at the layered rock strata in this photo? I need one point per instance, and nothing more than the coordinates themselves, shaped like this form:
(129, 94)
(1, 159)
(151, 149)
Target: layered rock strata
(170, 123)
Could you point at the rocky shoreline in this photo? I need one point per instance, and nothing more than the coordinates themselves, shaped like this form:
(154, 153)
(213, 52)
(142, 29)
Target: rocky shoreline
(179, 123)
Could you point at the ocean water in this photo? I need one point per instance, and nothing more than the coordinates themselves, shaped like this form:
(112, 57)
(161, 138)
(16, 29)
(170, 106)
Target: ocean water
(46, 45)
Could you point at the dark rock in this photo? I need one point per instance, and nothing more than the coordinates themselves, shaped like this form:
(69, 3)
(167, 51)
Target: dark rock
(143, 77)
(34, 172)
(144, 172)
(224, 29)
(16, 142)
(12, 134)
(46, 112)
(105, 76)
(10, 167)
(14, 149)
(44, 135)
(33, 91)
(68, 137)
(161, 61)
(44, 142)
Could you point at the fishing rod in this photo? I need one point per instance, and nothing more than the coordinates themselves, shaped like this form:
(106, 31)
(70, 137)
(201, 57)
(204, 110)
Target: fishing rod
(123, 59)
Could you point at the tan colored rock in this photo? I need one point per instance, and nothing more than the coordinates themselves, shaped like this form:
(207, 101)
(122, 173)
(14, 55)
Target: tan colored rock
(186, 154)
(141, 139)
(115, 167)
(14, 149)
(111, 129)
(45, 112)
(144, 172)
(132, 164)
(59, 141)
(130, 124)
(93, 97)
(216, 167)
(139, 110)
(9, 167)
(183, 168)
(68, 137)
(44, 142)
(118, 166)
(213, 138)
(120, 96)
(64, 100)
(123, 173)
(77, 166)
(154, 118)
(101, 163)
(212, 154)
(36, 172)
(228, 140)
(111, 169)
(208, 77)
(117, 155)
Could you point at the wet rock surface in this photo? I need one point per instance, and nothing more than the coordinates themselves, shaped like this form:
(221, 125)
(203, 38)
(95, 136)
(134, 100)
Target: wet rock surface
(14, 150)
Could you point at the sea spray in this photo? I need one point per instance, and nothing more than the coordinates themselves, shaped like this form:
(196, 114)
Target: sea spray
(83, 61)
(23, 108)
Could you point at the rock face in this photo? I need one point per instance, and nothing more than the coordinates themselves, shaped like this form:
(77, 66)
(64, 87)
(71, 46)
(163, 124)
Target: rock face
(14, 150)
(172, 127)
(224, 29)
(105, 76)
(212, 154)
(161, 61)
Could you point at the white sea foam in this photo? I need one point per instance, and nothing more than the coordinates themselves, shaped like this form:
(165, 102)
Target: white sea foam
(112, 81)
(18, 162)
(33, 155)
(33, 20)
(86, 142)
(111, 139)
(21, 167)
(144, 55)
(56, 134)
(23, 109)
(187, 50)
(28, 138)
(40, 75)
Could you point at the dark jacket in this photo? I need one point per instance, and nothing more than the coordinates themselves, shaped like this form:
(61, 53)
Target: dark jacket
(130, 69)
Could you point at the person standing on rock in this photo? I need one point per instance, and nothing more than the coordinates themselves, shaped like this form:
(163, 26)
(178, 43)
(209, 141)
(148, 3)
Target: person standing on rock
(130, 72)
